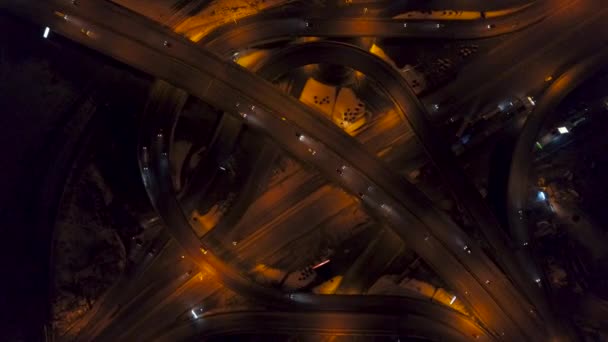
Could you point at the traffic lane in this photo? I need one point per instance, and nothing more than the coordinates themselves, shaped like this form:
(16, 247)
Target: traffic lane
(109, 301)
(148, 300)
(137, 295)
(268, 206)
(258, 177)
(524, 58)
(559, 14)
(224, 140)
(180, 309)
(183, 76)
(581, 41)
(385, 247)
(324, 323)
(472, 5)
(306, 215)
(386, 131)
(152, 316)
(156, 10)
(253, 32)
(163, 269)
(407, 156)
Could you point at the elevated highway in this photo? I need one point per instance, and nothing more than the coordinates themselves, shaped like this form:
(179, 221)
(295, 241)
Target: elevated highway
(143, 45)
(255, 30)
(415, 318)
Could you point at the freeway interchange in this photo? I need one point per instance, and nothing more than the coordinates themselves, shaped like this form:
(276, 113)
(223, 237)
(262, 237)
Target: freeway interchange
(506, 304)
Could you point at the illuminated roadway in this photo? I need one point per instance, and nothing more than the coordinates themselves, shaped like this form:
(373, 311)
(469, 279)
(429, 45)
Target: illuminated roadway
(571, 30)
(361, 315)
(246, 32)
(386, 191)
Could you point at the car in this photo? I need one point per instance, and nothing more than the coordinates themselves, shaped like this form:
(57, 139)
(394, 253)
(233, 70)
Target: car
(531, 101)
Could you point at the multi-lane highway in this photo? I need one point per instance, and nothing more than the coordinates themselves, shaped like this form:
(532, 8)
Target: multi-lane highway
(493, 299)
(571, 31)
(128, 38)
(416, 317)
(251, 31)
